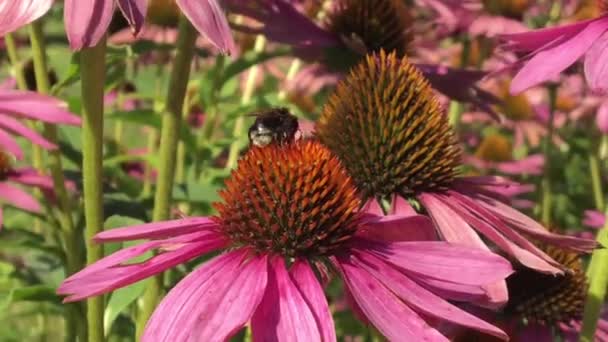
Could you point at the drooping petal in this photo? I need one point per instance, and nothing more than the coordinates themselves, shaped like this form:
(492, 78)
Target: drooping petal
(31, 177)
(209, 19)
(601, 118)
(531, 165)
(157, 230)
(312, 292)
(18, 13)
(110, 273)
(442, 260)
(454, 291)
(421, 299)
(398, 228)
(548, 63)
(283, 314)
(22, 130)
(18, 198)
(534, 40)
(35, 106)
(87, 21)
(596, 68)
(9, 144)
(395, 320)
(135, 13)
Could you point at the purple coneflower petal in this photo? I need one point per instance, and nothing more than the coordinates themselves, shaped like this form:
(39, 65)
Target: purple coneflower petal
(548, 63)
(400, 206)
(283, 314)
(419, 298)
(531, 165)
(601, 118)
(17, 13)
(312, 292)
(454, 291)
(595, 66)
(594, 219)
(157, 230)
(537, 39)
(22, 130)
(18, 198)
(9, 144)
(31, 177)
(87, 21)
(35, 106)
(384, 309)
(213, 302)
(399, 228)
(444, 261)
(209, 19)
(135, 13)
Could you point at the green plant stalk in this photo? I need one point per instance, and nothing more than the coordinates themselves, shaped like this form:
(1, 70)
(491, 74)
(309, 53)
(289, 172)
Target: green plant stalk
(598, 283)
(546, 203)
(457, 108)
(233, 154)
(596, 181)
(70, 237)
(93, 74)
(178, 82)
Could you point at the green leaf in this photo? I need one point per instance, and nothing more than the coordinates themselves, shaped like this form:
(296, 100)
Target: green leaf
(119, 301)
(35, 293)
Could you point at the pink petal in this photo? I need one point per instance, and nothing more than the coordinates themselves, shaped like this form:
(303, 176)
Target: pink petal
(283, 314)
(157, 230)
(18, 13)
(36, 106)
(548, 63)
(9, 144)
(444, 261)
(594, 219)
(31, 177)
(22, 130)
(420, 298)
(398, 228)
(86, 21)
(395, 320)
(453, 291)
(312, 292)
(109, 273)
(18, 198)
(534, 40)
(400, 206)
(601, 118)
(531, 165)
(209, 19)
(135, 13)
(226, 302)
(596, 68)
(373, 207)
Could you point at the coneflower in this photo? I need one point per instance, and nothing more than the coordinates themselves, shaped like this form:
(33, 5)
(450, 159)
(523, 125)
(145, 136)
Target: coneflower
(390, 133)
(288, 212)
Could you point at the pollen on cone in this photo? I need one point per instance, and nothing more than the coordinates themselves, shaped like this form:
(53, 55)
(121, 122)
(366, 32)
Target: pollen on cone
(293, 200)
(388, 129)
(5, 164)
(373, 24)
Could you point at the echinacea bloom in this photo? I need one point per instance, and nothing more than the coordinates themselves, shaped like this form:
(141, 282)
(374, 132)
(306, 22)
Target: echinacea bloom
(87, 21)
(389, 131)
(15, 196)
(552, 50)
(594, 219)
(16, 104)
(495, 153)
(290, 211)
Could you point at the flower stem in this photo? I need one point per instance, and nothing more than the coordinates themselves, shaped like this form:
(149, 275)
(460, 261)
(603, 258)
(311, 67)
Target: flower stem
(172, 117)
(92, 61)
(70, 237)
(596, 181)
(233, 154)
(457, 108)
(547, 149)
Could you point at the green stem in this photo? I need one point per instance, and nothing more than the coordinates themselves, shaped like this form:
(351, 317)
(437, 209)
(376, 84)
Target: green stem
(73, 253)
(596, 181)
(457, 108)
(93, 74)
(176, 93)
(233, 154)
(547, 149)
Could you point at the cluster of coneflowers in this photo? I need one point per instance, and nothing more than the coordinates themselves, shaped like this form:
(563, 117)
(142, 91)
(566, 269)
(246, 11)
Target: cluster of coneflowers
(373, 198)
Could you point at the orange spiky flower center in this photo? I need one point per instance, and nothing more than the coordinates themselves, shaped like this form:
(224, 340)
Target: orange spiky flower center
(372, 25)
(5, 164)
(495, 148)
(508, 8)
(163, 12)
(549, 299)
(388, 129)
(293, 200)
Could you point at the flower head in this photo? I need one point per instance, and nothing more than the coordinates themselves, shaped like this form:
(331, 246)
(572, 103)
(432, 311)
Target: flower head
(394, 141)
(290, 210)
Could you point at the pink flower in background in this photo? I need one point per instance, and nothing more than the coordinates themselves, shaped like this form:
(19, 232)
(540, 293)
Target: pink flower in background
(594, 219)
(87, 21)
(29, 105)
(17, 13)
(396, 273)
(554, 49)
(15, 196)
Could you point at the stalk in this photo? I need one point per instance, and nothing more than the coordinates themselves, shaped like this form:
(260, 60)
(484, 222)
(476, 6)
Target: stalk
(596, 181)
(178, 83)
(547, 149)
(93, 79)
(70, 237)
(457, 108)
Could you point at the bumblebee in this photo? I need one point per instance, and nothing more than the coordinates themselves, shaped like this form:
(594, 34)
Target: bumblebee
(273, 126)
